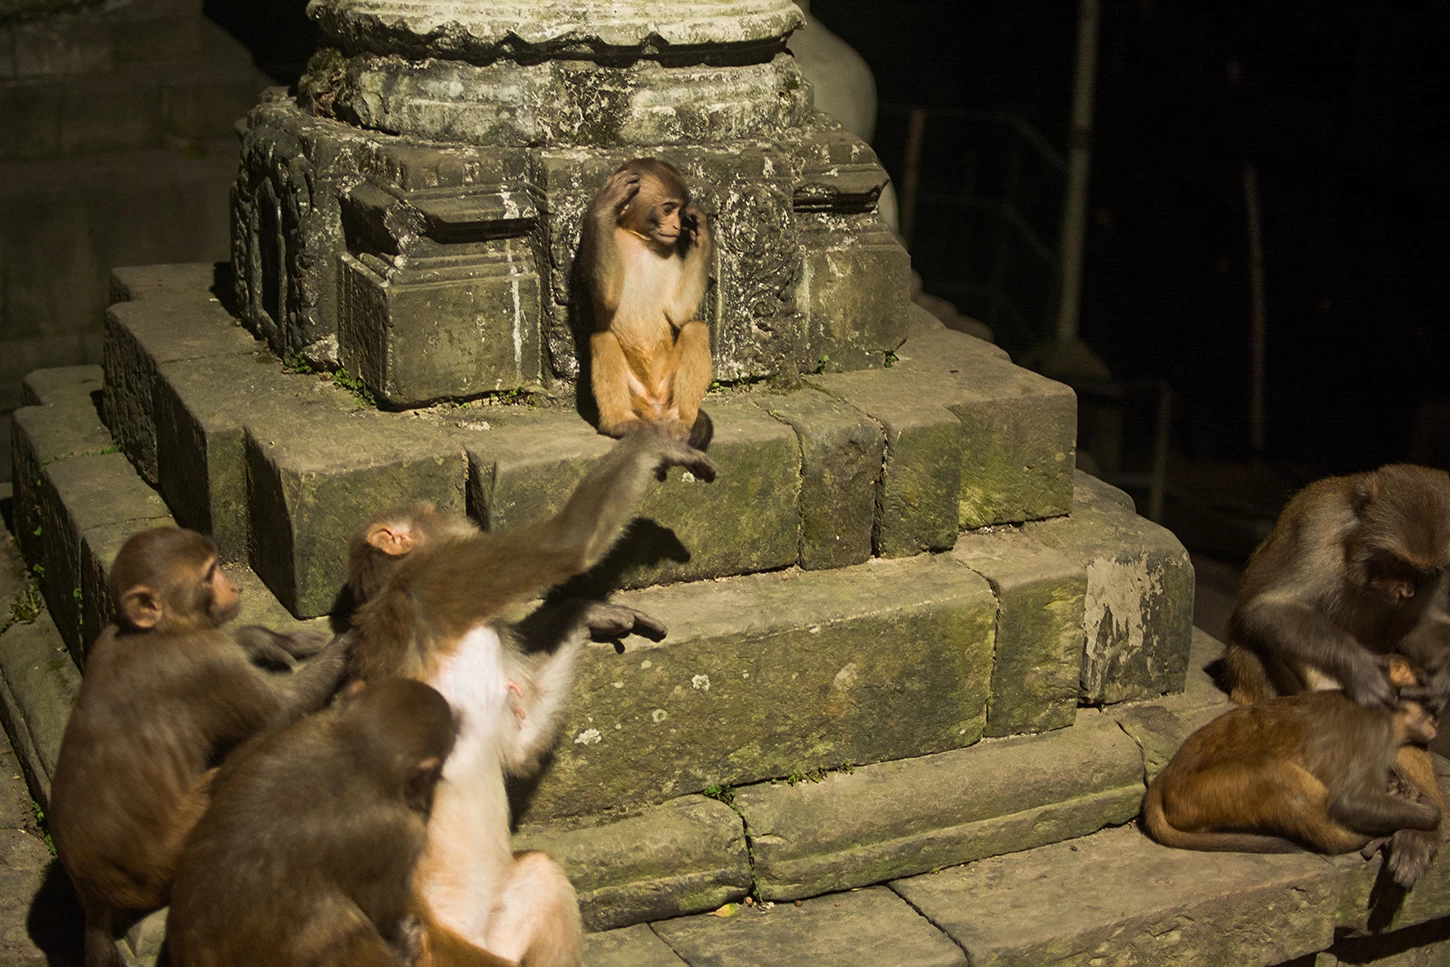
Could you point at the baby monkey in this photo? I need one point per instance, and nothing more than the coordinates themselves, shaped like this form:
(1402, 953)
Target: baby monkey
(646, 254)
(1305, 770)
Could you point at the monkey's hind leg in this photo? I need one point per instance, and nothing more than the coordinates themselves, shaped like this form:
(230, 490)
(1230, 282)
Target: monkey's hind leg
(1411, 850)
(610, 381)
(536, 920)
(690, 361)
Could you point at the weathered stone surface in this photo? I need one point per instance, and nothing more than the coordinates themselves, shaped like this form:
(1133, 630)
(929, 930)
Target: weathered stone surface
(200, 408)
(23, 862)
(139, 337)
(770, 674)
(38, 685)
(935, 347)
(855, 286)
(1039, 629)
(524, 469)
(865, 928)
(1118, 898)
(841, 454)
(79, 495)
(59, 384)
(261, 607)
(1019, 429)
(1160, 726)
(530, 30)
(636, 946)
(686, 856)
(909, 816)
(132, 282)
(1139, 606)
(916, 498)
(318, 473)
(40, 435)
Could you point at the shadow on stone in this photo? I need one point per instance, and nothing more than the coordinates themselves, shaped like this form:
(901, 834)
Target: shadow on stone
(223, 286)
(645, 544)
(55, 922)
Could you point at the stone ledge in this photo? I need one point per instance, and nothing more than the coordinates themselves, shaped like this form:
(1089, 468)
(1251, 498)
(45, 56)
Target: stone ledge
(769, 674)
(38, 685)
(43, 387)
(685, 856)
(524, 469)
(1139, 604)
(909, 816)
(130, 283)
(41, 435)
(636, 946)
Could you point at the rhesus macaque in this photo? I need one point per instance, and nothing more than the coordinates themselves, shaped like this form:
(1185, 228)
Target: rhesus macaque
(1311, 769)
(646, 253)
(432, 589)
(306, 856)
(166, 695)
(1355, 568)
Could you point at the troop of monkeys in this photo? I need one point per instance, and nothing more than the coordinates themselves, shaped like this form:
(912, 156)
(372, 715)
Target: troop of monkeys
(376, 831)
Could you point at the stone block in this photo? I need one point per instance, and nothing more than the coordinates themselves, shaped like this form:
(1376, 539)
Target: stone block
(1019, 429)
(110, 112)
(1117, 899)
(59, 384)
(865, 928)
(200, 408)
(636, 946)
(841, 455)
(79, 495)
(443, 335)
(855, 287)
(523, 470)
(62, 45)
(685, 856)
(130, 283)
(771, 674)
(139, 337)
(1039, 629)
(1139, 606)
(936, 346)
(909, 816)
(38, 686)
(916, 498)
(203, 107)
(318, 473)
(40, 436)
(31, 114)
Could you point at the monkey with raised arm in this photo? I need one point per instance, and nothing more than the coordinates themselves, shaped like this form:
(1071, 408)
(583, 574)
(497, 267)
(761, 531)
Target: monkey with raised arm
(1307, 770)
(166, 695)
(1356, 568)
(646, 253)
(433, 590)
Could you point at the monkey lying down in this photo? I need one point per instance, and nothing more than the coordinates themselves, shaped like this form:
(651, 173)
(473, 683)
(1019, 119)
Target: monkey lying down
(1312, 770)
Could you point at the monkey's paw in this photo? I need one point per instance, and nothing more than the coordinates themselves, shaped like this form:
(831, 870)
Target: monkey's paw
(610, 621)
(678, 453)
(621, 188)
(1410, 853)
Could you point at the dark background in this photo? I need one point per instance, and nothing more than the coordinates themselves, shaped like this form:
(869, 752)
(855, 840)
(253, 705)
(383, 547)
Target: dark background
(1338, 105)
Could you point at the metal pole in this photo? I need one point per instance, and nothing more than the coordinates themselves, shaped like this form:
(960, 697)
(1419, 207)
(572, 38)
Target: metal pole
(915, 132)
(1074, 218)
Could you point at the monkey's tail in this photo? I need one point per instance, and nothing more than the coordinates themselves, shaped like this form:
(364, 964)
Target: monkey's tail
(1167, 834)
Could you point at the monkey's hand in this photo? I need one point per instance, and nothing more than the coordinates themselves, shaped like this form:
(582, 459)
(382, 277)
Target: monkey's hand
(620, 190)
(677, 453)
(1410, 853)
(607, 622)
(696, 226)
(1370, 686)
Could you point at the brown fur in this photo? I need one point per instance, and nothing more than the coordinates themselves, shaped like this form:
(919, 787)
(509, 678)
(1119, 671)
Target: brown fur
(646, 253)
(165, 696)
(1308, 769)
(1354, 569)
(306, 857)
(433, 590)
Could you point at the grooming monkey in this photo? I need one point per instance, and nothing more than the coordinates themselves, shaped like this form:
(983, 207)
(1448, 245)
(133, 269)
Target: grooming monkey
(306, 856)
(1355, 568)
(1303, 770)
(646, 252)
(166, 695)
(433, 589)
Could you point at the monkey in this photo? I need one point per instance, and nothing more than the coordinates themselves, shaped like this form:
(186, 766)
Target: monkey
(1307, 769)
(432, 589)
(1355, 568)
(306, 856)
(646, 254)
(165, 696)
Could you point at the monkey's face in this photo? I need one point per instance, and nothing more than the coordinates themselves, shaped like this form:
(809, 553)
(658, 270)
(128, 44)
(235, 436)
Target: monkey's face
(1395, 578)
(656, 213)
(1416, 722)
(224, 600)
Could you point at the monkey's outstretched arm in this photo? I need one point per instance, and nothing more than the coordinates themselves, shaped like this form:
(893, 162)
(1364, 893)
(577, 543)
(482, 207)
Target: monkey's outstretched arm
(1302, 635)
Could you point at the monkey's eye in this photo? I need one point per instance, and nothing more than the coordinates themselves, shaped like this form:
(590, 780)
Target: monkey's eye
(670, 207)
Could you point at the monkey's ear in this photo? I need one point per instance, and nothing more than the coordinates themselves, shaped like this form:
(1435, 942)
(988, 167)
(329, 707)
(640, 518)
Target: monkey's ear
(422, 780)
(141, 606)
(392, 539)
(1366, 491)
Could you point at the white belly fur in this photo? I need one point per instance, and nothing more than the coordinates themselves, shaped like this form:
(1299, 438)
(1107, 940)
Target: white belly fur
(469, 853)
